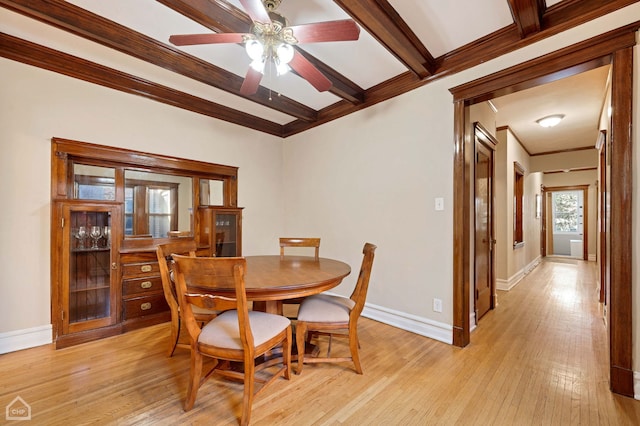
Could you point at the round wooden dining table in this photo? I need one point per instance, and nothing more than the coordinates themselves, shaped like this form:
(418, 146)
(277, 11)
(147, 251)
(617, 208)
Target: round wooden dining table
(271, 279)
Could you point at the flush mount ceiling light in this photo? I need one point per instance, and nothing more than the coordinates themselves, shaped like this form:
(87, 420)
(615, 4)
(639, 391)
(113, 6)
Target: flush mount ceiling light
(550, 120)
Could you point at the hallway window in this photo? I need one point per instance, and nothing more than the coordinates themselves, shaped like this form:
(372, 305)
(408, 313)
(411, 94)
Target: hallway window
(567, 206)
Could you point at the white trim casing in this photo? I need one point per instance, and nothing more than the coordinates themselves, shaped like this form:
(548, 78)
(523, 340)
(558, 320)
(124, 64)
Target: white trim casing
(506, 285)
(408, 322)
(23, 339)
(413, 323)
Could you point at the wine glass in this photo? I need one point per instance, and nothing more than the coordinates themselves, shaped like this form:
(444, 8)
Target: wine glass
(81, 234)
(106, 233)
(95, 234)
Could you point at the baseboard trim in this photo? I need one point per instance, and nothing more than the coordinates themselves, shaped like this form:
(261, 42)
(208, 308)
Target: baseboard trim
(413, 323)
(506, 285)
(23, 339)
(636, 385)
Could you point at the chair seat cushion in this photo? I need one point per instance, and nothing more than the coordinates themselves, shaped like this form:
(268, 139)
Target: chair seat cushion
(325, 308)
(222, 331)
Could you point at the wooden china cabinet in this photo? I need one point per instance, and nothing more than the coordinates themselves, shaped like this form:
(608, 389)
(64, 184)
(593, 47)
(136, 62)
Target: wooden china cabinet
(111, 207)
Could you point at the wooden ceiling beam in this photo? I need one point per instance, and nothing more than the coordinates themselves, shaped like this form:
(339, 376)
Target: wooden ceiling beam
(81, 22)
(382, 21)
(222, 17)
(26, 52)
(569, 13)
(527, 15)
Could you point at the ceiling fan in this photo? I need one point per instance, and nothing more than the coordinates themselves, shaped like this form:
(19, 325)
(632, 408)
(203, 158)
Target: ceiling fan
(270, 43)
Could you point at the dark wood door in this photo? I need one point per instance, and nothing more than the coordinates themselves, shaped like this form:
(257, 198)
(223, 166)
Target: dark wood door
(484, 285)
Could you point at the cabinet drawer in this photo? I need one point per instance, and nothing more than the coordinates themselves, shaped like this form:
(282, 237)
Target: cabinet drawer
(141, 286)
(141, 306)
(144, 269)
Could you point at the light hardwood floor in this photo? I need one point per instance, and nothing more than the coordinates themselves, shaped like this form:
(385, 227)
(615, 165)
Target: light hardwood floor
(539, 358)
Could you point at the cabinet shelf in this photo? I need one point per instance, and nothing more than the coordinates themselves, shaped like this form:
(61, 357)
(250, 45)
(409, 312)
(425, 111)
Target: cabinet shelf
(84, 290)
(91, 250)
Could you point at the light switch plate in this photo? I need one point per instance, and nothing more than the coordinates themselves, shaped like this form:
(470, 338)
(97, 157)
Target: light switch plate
(439, 203)
(437, 305)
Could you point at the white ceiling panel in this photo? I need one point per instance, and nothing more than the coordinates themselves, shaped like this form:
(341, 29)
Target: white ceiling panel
(447, 25)
(580, 98)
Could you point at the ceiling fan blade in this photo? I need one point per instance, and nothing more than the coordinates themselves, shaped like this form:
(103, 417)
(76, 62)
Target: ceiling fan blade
(189, 39)
(310, 73)
(251, 82)
(343, 30)
(256, 11)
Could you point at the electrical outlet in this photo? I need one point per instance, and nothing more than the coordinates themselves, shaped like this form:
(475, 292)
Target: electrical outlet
(437, 305)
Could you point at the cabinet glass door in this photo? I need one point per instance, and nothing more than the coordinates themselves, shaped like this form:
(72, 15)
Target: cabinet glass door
(88, 284)
(227, 234)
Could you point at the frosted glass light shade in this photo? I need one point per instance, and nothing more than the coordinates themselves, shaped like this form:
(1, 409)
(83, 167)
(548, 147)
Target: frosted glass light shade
(551, 120)
(285, 53)
(254, 49)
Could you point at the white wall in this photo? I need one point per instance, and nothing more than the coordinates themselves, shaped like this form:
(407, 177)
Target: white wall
(37, 105)
(513, 263)
(566, 160)
(361, 179)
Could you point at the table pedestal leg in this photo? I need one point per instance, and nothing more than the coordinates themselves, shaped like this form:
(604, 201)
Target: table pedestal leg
(270, 306)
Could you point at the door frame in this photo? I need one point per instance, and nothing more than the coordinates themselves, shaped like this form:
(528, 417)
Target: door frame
(601, 211)
(614, 48)
(485, 138)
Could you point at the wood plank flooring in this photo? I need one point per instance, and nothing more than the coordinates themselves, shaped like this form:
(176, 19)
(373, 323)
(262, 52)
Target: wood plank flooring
(540, 358)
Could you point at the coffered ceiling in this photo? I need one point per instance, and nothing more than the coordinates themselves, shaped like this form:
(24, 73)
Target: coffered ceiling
(403, 45)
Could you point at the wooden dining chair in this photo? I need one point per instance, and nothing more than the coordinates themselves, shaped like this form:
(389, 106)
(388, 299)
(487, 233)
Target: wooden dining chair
(300, 242)
(297, 242)
(236, 334)
(165, 262)
(331, 315)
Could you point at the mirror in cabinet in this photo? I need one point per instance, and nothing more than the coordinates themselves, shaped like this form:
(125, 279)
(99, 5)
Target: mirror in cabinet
(211, 192)
(156, 204)
(94, 182)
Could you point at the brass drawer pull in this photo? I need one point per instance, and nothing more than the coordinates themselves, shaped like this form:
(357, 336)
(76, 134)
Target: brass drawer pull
(146, 284)
(145, 306)
(145, 268)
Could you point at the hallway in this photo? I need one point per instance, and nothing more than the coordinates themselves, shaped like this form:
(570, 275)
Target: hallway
(549, 333)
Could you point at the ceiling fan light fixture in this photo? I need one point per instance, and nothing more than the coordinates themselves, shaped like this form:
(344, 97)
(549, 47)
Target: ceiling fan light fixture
(284, 53)
(282, 69)
(258, 65)
(551, 120)
(254, 49)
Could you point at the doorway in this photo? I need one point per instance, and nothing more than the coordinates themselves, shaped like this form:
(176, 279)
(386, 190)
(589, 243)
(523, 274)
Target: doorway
(565, 221)
(615, 48)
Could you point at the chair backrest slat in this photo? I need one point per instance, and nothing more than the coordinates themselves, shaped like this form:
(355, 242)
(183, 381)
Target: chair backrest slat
(194, 275)
(359, 294)
(300, 242)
